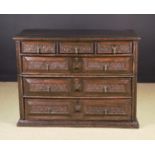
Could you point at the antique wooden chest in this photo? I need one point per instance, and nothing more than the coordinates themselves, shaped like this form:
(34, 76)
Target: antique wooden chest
(80, 78)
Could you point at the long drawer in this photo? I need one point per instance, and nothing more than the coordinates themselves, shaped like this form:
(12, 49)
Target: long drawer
(82, 86)
(100, 65)
(78, 109)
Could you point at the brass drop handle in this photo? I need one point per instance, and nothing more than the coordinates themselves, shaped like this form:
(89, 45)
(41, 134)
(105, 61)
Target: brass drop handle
(49, 89)
(105, 89)
(76, 50)
(114, 49)
(105, 111)
(105, 67)
(47, 67)
(38, 50)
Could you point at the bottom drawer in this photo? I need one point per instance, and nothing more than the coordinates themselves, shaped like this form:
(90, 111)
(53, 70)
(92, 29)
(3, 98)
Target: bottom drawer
(78, 109)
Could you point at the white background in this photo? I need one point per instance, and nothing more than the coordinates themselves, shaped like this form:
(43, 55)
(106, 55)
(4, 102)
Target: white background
(77, 6)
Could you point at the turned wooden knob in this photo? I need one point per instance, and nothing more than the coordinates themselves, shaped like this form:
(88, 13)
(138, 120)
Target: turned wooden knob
(76, 63)
(77, 106)
(50, 110)
(77, 85)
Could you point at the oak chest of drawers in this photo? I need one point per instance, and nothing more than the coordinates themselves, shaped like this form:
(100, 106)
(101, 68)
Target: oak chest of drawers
(77, 78)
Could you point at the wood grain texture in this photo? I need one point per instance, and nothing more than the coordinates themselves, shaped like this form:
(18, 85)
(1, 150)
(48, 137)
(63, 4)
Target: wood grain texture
(38, 47)
(78, 109)
(76, 47)
(45, 64)
(77, 78)
(114, 47)
(44, 34)
(102, 65)
(92, 86)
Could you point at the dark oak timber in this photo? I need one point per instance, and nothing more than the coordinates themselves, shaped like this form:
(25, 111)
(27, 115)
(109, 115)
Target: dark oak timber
(77, 78)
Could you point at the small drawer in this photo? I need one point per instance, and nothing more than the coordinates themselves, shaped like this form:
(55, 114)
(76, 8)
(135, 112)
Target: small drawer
(38, 47)
(74, 47)
(114, 47)
(107, 65)
(47, 109)
(47, 86)
(45, 64)
(107, 109)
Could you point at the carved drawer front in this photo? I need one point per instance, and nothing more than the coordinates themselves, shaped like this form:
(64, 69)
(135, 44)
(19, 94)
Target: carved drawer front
(114, 47)
(76, 47)
(107, 109)
(45, 64)
(47, 86)
(107, 65)
(38, 47)
(107, 86)
(47, 109)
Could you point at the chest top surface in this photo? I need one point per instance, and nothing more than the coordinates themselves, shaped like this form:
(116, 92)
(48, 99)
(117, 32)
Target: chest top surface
(77, 34)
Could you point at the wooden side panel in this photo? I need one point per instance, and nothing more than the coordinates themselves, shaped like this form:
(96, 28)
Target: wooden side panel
(134, 83)
(20, 84)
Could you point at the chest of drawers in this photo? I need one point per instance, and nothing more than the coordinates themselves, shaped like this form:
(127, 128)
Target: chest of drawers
(77, 78)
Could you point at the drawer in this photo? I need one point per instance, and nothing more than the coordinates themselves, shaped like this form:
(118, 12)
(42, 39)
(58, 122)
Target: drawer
(106, 65)
(47, 109)
(114, 47)
(47, 86)
(45, 64)
(74, 47)
(106, 87)
(94, 87)
(100, 65)
(78, 109)
(38, 47)
(107, 109)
